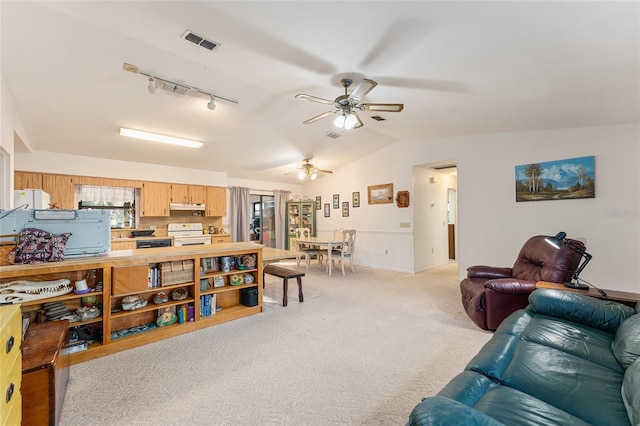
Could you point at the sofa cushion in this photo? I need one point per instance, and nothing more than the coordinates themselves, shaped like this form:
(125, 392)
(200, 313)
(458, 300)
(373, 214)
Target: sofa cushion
(575, 385)
(580, 308)
(626, 345)
(631, 392)
(442, 411)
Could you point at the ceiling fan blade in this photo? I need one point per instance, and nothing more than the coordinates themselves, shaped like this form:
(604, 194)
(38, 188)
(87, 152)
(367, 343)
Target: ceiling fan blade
(314, 99)
(324, 171)
(318, 117)
(362, 89)
(383, 107)
(359, 123)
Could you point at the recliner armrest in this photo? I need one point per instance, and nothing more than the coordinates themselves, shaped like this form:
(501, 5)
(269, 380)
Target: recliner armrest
(489, 272)
(510, 285)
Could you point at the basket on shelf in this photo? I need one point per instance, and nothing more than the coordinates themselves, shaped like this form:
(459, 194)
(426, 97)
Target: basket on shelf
(176, 272)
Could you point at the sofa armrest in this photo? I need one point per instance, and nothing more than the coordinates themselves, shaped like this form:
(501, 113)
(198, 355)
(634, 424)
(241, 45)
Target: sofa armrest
(510, 285)
(441, 411)
(602, 314)
(488, 272)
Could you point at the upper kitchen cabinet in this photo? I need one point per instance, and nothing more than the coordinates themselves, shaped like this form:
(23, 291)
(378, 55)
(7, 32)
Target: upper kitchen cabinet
(216, 204)
(155, 198)
(188, 194)
(27, 180)
(60, 189)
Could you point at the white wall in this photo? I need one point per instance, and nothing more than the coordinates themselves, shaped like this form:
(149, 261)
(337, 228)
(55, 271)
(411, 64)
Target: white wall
(492, 226)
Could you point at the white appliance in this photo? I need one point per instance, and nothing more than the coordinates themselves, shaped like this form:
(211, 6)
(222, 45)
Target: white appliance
(192, 207)
(187, 234)
(34, 198)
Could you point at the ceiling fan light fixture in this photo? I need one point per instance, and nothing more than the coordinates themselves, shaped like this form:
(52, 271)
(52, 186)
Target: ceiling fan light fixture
(152, 86)
(345, 121)
(301, 175)
(314, 175)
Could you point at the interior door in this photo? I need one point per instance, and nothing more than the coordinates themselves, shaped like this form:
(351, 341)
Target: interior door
(268, 219)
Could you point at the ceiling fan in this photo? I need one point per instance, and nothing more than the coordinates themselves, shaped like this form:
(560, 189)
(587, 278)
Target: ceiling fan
(308, 169)
(347, 104)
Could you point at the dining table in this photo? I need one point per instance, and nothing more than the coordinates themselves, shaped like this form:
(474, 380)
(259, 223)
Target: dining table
(323, 243)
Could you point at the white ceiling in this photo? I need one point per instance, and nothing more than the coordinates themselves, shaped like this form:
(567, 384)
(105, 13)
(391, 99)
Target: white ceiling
(459, 68)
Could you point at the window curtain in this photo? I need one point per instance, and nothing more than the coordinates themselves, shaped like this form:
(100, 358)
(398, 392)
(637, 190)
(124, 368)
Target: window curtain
(280, 207)
(107, 195)
(239, 213)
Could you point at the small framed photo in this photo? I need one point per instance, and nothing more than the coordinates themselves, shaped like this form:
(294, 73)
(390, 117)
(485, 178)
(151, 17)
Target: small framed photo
(327, 210)
(318, 203)
(355, 199)
(336, 201)
(380, 194)
(345, 209)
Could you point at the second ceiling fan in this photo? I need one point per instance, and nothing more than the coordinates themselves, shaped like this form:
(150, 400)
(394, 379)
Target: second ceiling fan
(347, 104)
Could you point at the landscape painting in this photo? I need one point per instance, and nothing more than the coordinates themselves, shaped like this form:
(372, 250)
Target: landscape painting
(556, 180)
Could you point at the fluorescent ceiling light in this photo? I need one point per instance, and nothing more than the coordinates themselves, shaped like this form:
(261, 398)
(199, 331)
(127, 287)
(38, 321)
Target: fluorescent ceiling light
(159, 138)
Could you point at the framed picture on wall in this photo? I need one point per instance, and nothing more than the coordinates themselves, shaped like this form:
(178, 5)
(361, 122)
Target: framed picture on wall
(327, 210)
(380, 194)
(336, 201)
(567, 179)
(345, 209)
(318, 202)
(355, 199)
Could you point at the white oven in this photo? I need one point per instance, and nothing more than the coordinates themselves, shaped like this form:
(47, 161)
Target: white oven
(187, 234)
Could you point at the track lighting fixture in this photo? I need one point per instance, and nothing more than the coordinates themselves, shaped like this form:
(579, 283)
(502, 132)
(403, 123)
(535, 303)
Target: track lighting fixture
(212, 104)
(156, 83)
(152, 86)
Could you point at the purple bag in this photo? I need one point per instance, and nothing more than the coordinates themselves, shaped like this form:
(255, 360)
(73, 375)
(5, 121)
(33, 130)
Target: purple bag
(38, 246)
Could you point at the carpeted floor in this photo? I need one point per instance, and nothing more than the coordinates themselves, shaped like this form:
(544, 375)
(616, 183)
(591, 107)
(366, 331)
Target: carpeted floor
(361, 350)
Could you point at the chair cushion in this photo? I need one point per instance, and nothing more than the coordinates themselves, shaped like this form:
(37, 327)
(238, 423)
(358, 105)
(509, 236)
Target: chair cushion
(540, 261)
(626, 345)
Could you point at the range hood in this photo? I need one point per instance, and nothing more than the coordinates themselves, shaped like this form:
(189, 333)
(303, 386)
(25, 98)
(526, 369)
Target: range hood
(192, 207)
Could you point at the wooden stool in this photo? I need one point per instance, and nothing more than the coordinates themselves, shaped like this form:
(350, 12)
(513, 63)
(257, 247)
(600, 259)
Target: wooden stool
(285, 274)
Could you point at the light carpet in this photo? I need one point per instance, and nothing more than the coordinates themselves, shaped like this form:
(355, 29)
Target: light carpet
(361, 350)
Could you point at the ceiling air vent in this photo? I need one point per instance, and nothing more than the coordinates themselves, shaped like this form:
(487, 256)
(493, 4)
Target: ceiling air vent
(378, 118)
(201, 41)
(333, 135)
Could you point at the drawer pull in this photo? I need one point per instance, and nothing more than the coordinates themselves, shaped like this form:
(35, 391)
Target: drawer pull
(10, 392)
(10, 343)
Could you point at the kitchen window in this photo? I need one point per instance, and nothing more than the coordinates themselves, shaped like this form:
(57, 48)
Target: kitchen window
(120, 200)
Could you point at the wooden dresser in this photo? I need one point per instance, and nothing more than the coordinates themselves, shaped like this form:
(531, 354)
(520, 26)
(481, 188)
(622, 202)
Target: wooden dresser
(10, 364)
(45, 372)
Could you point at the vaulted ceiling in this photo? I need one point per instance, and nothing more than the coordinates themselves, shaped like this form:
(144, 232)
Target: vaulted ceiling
(458, 67)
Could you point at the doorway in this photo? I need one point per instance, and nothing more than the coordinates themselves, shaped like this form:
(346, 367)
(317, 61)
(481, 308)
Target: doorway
(262, 225)
(452, 214)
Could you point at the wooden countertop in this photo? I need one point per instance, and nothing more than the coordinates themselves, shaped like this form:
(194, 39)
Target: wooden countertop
(130, 257)
(616, 296)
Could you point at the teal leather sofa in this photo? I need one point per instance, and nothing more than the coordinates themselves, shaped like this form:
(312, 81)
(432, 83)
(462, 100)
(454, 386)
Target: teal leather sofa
(566, 359)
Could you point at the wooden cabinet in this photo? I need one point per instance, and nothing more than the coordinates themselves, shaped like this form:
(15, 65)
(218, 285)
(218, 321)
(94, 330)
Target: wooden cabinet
(45, 373)
(143, 274)
(216, 201)
(27, 180)
(155, 199)
(123, 245)
(10, 365)
(220, 238)
(61, 190)
(188, 193)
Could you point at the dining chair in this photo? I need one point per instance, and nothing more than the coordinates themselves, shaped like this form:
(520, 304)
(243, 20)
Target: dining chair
(345, 250)
(307, 249)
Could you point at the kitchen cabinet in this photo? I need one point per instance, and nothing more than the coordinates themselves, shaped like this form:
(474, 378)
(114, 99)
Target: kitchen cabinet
(188, 193)
(216, 204)
(155, 199)
(61, 190)
(300, 214)
(27, 180)
(126, 244)
(220, 238)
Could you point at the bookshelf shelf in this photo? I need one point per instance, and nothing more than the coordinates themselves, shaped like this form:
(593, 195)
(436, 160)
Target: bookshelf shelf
(126, 273)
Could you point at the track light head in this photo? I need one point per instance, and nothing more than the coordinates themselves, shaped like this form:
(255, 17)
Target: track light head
(212, 104)
(152, 86)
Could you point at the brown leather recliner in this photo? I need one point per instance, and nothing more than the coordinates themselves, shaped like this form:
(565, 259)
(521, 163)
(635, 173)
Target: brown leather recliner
(490, 294)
